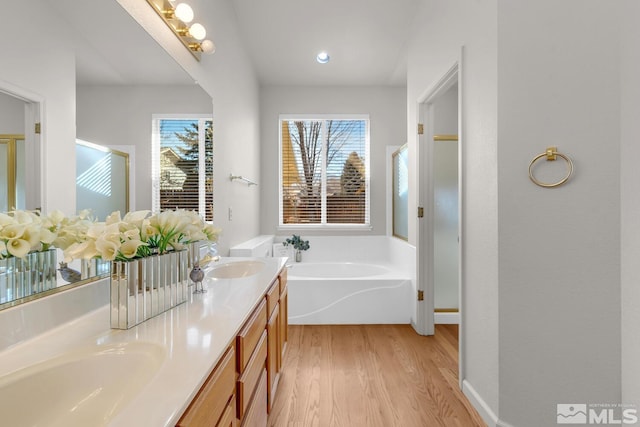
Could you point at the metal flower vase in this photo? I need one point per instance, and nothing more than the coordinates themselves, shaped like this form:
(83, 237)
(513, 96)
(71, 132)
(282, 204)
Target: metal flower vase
(22, 277)
(145, 287)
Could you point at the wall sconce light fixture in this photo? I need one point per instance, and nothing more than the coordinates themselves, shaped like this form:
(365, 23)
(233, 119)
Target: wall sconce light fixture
(178, 18)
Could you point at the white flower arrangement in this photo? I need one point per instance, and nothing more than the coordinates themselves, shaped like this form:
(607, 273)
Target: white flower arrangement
(23, 232)
(139, 234)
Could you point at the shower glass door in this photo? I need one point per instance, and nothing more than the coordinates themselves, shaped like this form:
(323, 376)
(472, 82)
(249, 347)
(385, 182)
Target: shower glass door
(12, 175)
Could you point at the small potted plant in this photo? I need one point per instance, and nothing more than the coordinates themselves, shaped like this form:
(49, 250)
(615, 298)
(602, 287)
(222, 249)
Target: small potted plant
(298, 244)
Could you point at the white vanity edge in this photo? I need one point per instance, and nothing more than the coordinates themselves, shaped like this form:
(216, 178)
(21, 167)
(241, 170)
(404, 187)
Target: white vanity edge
(195, 335)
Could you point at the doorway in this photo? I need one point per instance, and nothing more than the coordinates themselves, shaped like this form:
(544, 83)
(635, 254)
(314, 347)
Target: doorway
(439, 189)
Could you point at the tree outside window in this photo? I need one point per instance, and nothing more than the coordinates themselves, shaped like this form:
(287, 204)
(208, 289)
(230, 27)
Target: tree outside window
(185, 156)
(324, 176)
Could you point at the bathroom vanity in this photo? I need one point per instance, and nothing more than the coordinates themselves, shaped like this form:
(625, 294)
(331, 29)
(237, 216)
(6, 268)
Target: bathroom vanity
(214, 360)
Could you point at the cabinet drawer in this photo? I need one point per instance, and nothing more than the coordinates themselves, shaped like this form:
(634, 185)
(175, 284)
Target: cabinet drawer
(257, 412)
(283, 280)
(250, 335)
(210, 402)
(273, 295)
(248, 380)
(229, 416)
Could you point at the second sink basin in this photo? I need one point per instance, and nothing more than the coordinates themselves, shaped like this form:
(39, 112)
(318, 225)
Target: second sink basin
(81, 388)
(236, 269)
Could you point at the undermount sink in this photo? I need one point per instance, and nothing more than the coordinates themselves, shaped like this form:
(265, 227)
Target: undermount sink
(236, 269)
(80, 388)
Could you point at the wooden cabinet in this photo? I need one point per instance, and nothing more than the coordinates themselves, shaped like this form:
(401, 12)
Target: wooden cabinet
(257, 413)
(251, 376)
(214, 397)
(273, 355)
(229, 416)
(241, 389)
(250, 334)
(278, 335)
(284, 317)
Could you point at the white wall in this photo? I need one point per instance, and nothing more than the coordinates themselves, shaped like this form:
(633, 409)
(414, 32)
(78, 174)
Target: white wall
(122, 115)
(37, 58)
(630, 183)
(387, 114)
(441, 29)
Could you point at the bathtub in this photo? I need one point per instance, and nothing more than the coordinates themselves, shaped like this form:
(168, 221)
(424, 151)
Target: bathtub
(348, 293)
(346, 279)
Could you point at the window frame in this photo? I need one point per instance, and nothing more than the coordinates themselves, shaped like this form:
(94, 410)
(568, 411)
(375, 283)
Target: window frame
(156, 159)
(367, 226)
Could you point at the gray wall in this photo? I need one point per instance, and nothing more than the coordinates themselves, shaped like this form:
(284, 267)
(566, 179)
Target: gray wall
(630, 182)
(11, 115)
(387, 113)
(559, 275)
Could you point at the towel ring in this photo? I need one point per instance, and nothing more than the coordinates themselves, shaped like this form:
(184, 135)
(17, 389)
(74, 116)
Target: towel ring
(551, 154)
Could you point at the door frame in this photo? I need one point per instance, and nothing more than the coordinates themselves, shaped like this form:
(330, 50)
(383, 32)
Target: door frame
(425, 232)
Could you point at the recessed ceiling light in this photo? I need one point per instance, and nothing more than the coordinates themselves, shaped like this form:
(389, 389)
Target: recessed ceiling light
(323, 57)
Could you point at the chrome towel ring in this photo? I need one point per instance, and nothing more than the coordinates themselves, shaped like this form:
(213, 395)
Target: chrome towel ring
(551, 154)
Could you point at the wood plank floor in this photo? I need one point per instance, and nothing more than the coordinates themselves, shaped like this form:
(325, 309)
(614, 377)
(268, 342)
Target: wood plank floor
(371, 375)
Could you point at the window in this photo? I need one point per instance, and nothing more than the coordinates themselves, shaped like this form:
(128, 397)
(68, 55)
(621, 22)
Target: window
(183, 164)
(324, 171)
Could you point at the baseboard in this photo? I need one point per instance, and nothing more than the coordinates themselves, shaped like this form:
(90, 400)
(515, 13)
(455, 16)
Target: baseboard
(481, 406)
(446, 318)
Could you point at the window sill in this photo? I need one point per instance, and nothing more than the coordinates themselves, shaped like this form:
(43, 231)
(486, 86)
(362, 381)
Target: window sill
(325, 227)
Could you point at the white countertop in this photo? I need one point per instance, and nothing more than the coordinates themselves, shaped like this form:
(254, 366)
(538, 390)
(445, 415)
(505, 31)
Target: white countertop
(194, 336)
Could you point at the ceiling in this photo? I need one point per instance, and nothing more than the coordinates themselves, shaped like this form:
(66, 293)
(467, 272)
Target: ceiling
(366, 40)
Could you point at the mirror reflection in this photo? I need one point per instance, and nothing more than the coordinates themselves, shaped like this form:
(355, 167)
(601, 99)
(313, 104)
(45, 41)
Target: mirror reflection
(102, 179)
(96, 89)
(19, 187)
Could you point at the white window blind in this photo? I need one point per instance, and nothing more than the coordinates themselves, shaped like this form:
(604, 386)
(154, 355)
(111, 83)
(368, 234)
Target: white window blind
(183, 165)
(324, 172)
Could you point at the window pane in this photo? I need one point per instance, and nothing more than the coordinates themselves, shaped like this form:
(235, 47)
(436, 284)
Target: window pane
(346, 171)
(208, 164)
(180, 172)
(301, 172)
(325, 177)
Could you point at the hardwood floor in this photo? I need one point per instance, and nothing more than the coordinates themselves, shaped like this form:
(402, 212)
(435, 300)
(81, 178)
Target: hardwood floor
(371, 375)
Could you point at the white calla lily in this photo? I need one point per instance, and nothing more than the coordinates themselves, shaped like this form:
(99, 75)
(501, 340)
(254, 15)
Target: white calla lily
(18, 247)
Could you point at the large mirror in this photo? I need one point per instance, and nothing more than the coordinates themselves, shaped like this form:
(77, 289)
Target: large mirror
(19, 152)
(121, 76)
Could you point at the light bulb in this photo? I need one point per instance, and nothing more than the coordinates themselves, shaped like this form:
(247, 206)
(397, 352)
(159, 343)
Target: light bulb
(197, 31)
(323, 57)
(207, 46)
(184, 12)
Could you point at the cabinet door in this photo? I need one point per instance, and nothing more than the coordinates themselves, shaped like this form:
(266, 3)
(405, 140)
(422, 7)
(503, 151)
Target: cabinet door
(257, 411)
(273, 295)
(229, 416)
(283, 333)
(273, 355)
(251, 376)
(212, 399)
